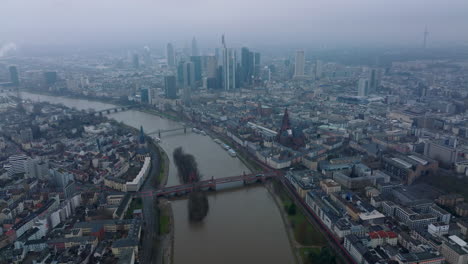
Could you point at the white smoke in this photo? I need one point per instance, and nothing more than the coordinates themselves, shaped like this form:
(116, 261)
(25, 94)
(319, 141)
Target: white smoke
(6, 48)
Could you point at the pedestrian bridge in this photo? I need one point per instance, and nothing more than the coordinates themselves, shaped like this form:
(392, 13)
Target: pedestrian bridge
(115, 109)
(161, 131)
(211, 184)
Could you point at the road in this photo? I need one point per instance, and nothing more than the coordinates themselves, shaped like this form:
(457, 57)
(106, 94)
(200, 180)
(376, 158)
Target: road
(150, 232)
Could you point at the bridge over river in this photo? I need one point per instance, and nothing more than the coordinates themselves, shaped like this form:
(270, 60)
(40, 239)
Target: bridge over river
(211, 184)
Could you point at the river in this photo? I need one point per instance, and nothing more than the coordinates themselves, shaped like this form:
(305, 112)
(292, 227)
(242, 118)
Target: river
(242, 226)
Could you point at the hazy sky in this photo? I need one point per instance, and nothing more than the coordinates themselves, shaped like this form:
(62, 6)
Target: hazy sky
(319, 22)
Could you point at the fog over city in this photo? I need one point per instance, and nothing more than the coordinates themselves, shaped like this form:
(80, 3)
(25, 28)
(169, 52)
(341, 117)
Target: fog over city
(259, 22)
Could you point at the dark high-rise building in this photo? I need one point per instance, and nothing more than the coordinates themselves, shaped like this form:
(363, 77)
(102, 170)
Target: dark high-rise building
(247, 65)
(189, 80)
(144, 93)
(170, 55)
(14, 77)
(197, 63)
(180, 74)
(50, 78)
(219, 77)
(170, 87)
(373, 81)
(136, 61)
(211, 83)
(256, 72)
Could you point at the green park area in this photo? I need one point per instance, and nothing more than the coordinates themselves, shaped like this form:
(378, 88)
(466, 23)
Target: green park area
(136, 203)
(164, 222)
(310, 242)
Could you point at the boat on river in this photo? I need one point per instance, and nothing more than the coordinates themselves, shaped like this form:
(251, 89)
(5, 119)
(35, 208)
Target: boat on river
(232, 153)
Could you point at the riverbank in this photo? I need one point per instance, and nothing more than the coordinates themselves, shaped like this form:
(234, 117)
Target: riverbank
(304, 238)
(163, 174)
(166, 231)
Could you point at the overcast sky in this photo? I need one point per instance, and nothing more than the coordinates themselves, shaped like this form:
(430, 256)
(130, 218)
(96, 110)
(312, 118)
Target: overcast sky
(319, 22)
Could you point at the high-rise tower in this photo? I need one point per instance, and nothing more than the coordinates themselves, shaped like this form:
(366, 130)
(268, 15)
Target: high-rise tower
(229, 67)
(363, 87)
(426, 33)
(299, 64)
(170, 55)
(14, 77)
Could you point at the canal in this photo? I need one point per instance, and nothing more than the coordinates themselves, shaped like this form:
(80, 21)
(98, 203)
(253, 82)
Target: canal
(242, 226)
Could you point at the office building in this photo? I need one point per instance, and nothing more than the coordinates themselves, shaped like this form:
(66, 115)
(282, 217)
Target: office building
(189, 80)
(211, 66)
(455, 250)
(50, 77)
(170, 87)
(229, 67)
(26, 135)
(318, 70)
(170, 55)
(363, 87)
(144, 95)
(60, 178)
(17, 164)
(247, 65)
(188, 73)
(197, 64)
(299, 64)
(37, 169)
(180, 74)
(136, 61)
(444, 153)
(374, 80)
(14, 77)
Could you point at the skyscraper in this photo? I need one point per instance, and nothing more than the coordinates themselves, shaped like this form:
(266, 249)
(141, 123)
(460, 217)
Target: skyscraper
(14, 77)
(136, 61)
(211, 66)
(373, 81)
(180, 74)
(147, 56)
(189, 80)
(198, 67)
(144, 95)
(318, 69)
(195, 51)
(256, 64)
(189, 74)
(299, 64)
(247, 65)
(229, 67)
(170, 55)
(170, 87)
(363, 87)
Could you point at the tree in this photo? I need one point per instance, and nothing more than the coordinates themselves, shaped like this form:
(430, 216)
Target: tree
(292, 209)
(326, 256)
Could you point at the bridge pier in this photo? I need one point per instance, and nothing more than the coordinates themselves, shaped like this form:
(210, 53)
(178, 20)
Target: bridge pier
(185, 130)
(159, 133)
